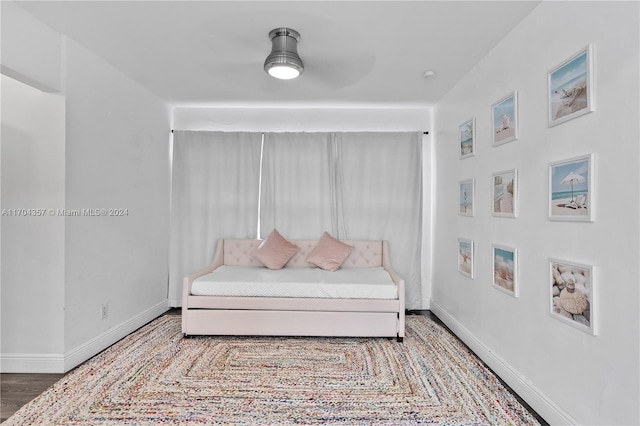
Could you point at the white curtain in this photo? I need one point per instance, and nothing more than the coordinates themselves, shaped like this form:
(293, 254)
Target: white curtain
(297, 196)
(215, 182)
(379, 195)
(353, 185)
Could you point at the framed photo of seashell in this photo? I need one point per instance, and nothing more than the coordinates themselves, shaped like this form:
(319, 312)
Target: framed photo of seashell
(467, 138)
(505, 265)
(570, 87)
(465, 257)
(504, 115)
(571, 294)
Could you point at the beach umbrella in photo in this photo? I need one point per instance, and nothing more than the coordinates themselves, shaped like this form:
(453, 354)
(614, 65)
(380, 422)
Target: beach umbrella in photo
(572, 178)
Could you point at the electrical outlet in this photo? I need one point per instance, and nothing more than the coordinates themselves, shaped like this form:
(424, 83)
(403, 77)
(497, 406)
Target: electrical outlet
(104, 311)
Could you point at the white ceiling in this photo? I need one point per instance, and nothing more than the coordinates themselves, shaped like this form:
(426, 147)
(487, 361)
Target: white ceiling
(356, 53)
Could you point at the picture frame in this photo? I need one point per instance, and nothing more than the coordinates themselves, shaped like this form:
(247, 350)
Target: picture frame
(505, 269)
(504, 116)
(467, 138)
(466, 197)
(572, 294)
(466, 257)
(570, 87)
(504, 187)
(571, 195)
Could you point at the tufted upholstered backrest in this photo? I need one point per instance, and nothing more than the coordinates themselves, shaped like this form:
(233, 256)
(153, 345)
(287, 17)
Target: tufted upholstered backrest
(365, 254)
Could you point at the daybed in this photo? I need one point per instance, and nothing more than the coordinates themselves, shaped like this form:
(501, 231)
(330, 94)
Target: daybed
(237, 295)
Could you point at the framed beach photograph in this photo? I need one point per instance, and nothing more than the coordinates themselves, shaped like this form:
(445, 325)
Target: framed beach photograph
(466, 191)
(467, 138)
(571, 294)
(505, 193)
(571, 189)
(465, 257)
(570, 87)
(504, 115)
(505, 263)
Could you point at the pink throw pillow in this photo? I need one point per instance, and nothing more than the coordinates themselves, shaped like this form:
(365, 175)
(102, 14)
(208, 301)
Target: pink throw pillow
(275, 251)
(329, 253)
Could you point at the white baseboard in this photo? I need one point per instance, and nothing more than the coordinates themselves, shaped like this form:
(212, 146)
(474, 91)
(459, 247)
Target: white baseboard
(61, 363)
(426, 303)
(94, 346)
(31, 363)
(542, 404)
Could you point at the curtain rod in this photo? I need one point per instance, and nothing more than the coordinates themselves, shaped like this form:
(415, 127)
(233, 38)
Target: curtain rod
(424, 133)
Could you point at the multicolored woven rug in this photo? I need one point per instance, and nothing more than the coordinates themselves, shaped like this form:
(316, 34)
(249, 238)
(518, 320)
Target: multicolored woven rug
(154, 376)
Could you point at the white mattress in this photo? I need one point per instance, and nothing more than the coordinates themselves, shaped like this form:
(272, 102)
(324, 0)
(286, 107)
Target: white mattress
(347, 283)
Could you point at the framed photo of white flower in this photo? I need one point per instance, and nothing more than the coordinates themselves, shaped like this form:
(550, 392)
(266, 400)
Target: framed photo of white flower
(572, 294)
(467, 138)
(505, 264)
(570, 87)
(504, 115)
(465, 257)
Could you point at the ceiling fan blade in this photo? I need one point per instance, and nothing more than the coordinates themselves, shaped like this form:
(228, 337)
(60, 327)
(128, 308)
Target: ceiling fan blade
(339, 72)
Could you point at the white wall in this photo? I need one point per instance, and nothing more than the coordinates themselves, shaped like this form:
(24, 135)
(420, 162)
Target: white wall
(327, 120)
(32, 258)
(567, 375)
(301, 119)
(30, 50)
(115, 155)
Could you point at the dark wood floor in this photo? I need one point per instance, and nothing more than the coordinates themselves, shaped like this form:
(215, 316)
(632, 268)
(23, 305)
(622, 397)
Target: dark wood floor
(17, 390)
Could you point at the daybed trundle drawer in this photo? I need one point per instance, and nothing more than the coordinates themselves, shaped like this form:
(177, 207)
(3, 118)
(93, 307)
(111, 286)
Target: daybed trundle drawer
(293, 304)
(291, 323)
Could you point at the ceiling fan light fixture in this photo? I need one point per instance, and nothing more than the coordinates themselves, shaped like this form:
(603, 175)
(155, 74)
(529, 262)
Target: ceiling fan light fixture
(283, 72)
(284, 62)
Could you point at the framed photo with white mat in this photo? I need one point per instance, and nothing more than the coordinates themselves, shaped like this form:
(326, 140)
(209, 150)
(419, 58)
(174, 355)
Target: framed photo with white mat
(505, 268)
(467, 138)
(465, 257)
(504, 114)
(466, 193)
(571, 195)
(570, 87)
(572, 294)
(505, 193)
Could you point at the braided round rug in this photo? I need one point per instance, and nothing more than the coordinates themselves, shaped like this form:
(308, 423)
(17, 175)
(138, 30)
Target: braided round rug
(155, 376)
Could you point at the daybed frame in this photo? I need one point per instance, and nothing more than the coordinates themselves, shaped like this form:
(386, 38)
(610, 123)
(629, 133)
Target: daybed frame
(212, 315)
